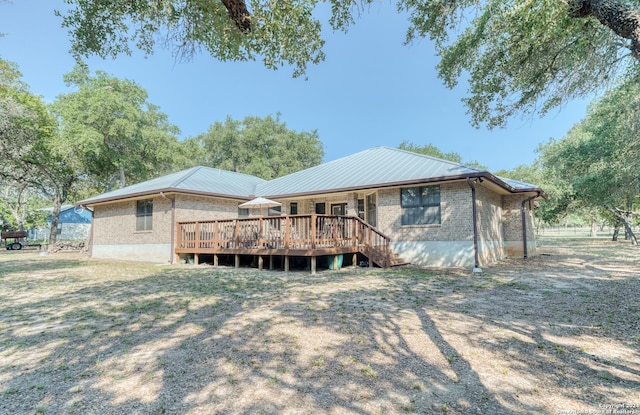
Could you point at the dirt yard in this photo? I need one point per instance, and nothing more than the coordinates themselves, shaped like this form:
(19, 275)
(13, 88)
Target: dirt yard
(556, 334)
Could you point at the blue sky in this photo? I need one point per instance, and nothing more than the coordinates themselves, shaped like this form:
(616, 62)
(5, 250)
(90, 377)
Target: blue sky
(370, 91)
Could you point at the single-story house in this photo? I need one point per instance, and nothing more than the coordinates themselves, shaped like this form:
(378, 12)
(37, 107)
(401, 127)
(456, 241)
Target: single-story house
(74, 224)
(383, 205)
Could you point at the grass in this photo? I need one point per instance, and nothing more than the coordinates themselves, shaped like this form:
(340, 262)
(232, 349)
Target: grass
(79, 335)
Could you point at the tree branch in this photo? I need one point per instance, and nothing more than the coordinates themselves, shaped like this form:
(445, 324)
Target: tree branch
(239, 14)
(623, 20)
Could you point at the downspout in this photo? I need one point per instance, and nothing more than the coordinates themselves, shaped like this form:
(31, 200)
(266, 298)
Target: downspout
(523, 215)
(173, 225)
(476, 267)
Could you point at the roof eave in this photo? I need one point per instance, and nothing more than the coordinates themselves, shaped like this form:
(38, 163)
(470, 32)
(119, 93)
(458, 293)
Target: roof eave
(167, 190)
(440, 179)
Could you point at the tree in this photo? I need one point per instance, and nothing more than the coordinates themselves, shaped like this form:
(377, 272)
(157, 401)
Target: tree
(433, 151)
(109, 133)
(262, 147)
(27, 130)
(519, 56)
(599, 156)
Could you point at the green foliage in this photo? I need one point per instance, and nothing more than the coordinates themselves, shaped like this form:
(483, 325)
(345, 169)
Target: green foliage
(282, 32)
(433, 151)
(263, 147)
(109, 133)
(599, 159)
(518, 56)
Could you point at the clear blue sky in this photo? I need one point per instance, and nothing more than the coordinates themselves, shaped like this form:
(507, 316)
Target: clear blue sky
(370, 91)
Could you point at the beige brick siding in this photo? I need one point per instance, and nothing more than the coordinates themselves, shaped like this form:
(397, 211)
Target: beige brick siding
(189, 208)
(115, 224)
(455, 205)
(511, 206)
(449, 243)
(489, 219)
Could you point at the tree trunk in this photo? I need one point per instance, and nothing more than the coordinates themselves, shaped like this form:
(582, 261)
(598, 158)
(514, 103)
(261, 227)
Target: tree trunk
(594, 227)
(622, 219)
(622, 19)
(55, 219)
(616, 230)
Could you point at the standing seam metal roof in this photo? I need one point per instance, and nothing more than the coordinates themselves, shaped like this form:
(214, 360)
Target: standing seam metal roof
(197, 179)
(376, 167)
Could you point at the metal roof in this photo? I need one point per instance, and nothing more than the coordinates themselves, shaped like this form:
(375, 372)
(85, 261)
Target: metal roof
(375, 167)
(202, 180)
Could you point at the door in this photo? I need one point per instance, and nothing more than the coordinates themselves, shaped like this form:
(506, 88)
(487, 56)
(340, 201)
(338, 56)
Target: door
(371, 209)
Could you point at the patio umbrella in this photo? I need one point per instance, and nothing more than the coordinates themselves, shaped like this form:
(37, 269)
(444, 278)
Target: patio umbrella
(259, 203)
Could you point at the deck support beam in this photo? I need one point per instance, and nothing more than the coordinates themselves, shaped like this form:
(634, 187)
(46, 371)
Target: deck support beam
(237, 264)
(260, 262)
(313, 265)
(286, 263)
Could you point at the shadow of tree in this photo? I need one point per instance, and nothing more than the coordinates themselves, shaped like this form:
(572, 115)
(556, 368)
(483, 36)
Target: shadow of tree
(87, 338)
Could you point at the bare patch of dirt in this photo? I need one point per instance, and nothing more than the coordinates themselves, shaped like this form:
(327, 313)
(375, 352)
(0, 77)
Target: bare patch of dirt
(556, 333)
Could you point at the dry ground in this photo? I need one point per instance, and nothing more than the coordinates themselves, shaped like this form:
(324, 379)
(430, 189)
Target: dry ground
(558, 333)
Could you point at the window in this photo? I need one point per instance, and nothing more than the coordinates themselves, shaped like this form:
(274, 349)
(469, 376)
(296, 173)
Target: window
(293, 208)
(420, 205)
(242, 212)
(144, 215)
(321, 208)
(361, 208)
(275, 211)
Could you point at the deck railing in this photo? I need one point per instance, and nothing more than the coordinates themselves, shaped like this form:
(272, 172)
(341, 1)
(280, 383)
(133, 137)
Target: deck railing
(295, 233)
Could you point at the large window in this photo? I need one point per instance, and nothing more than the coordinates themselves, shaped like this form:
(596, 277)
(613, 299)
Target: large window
(144, 215)
(420, 205)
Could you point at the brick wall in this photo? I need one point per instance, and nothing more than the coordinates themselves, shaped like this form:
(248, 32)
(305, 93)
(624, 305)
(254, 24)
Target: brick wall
(490, 225)
(456, 216)
(511, 206)
(190, 208)
(115, 224)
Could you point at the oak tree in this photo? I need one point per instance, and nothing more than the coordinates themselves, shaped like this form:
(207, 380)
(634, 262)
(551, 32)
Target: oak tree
(518, 56)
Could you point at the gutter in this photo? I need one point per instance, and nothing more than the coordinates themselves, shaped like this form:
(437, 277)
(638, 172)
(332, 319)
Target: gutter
(476, 268)
(523, 215)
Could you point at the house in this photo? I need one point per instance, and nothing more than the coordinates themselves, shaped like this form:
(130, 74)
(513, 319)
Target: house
(383, 205)
(74, 224)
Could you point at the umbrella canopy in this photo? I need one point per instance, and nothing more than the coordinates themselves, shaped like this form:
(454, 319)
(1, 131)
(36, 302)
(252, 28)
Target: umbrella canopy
(259, 203)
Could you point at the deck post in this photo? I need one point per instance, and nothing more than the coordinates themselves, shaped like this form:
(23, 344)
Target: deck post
(237, 264)
(313, 265)
(197, 236)
(286, 263)
(335, 262)
(314, 219)
(287, 231)
(260, 262)
(354, 259)
(196, 258)
(270, 262)
(178, 242)
(215, 260)
(237, 236)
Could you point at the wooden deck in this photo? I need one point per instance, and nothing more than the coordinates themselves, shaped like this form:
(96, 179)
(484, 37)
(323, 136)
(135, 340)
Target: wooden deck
(299, 235)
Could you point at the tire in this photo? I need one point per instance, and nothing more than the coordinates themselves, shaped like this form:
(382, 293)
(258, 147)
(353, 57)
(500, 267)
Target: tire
(16, 246)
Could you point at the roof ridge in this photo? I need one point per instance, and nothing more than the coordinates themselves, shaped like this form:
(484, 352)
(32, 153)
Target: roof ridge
(435, 158)
(190, 173)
